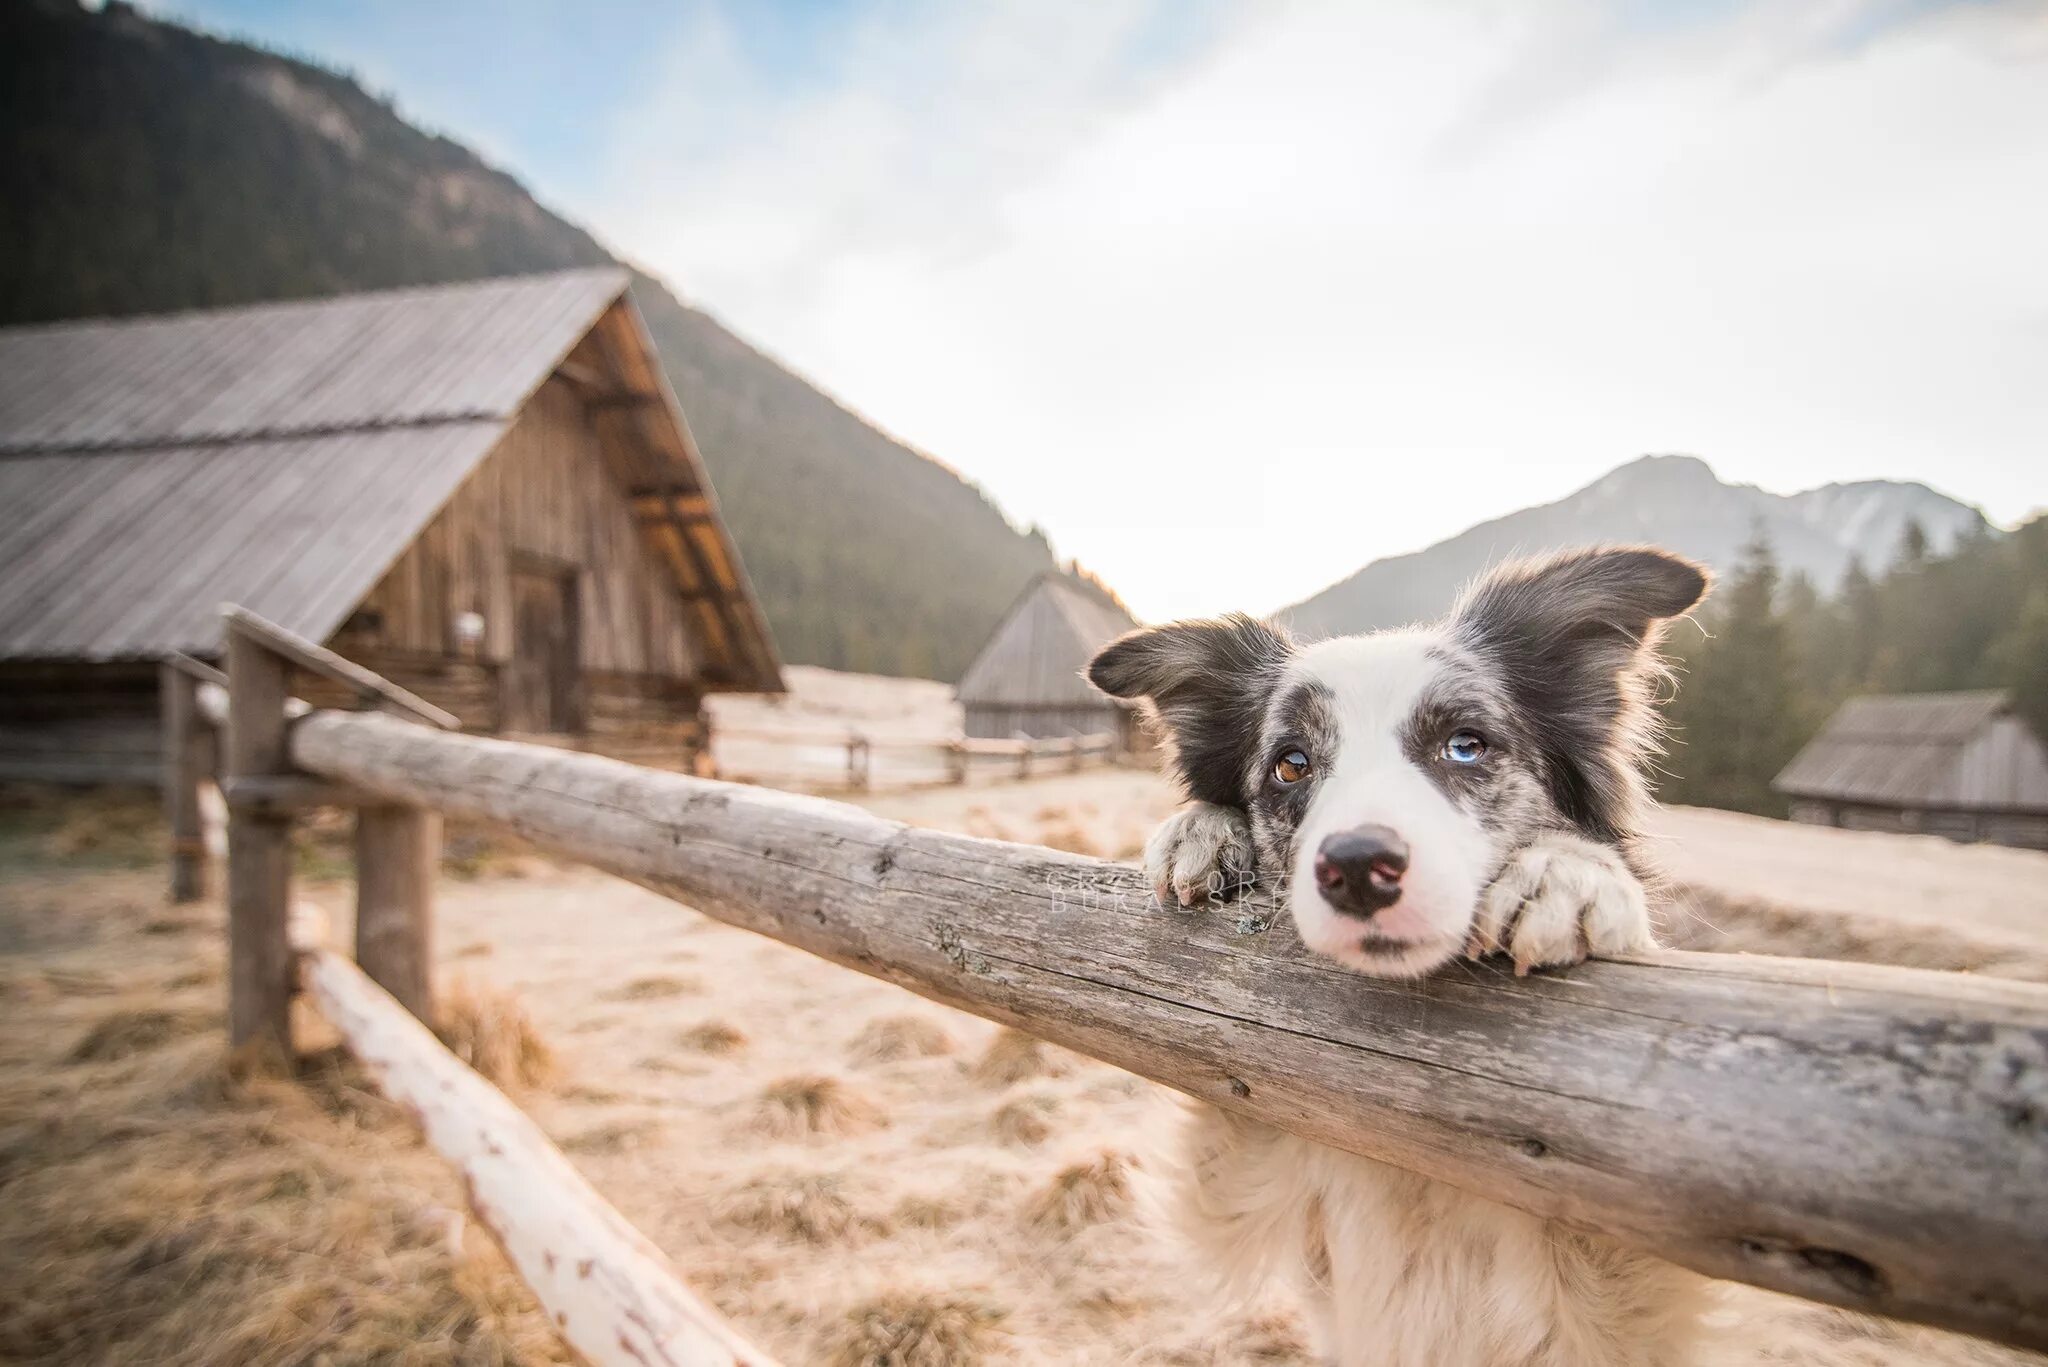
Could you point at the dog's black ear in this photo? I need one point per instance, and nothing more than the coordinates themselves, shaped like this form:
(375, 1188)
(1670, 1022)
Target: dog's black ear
(1208, 683)
(1574, 637)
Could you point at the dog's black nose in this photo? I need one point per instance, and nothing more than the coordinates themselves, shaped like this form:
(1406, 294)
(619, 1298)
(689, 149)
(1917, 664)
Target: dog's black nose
(1359, 870)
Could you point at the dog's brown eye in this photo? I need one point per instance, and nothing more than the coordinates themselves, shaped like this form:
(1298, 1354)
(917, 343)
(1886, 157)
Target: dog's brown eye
(1291, 768)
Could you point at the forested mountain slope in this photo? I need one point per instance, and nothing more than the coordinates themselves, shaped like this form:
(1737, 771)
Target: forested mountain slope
(145, 168)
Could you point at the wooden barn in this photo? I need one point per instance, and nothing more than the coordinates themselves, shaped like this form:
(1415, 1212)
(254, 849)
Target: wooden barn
(484, 492)
(1027, 682)
(1961, 765)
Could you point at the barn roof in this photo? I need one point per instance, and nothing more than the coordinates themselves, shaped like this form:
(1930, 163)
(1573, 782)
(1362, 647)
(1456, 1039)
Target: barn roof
(1900, 750)
(282, 456)
(1035, 656)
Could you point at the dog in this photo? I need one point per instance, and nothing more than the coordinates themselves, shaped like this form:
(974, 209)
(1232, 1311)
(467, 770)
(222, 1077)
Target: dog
(1416, 796)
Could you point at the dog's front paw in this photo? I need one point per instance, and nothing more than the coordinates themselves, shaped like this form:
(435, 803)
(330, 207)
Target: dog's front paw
(1559, 900)
(1201, 853)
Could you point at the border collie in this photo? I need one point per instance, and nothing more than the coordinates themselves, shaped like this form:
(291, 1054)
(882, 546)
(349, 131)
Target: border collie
(1417, 796)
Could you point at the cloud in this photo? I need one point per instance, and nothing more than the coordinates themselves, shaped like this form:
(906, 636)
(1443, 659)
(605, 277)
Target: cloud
(770, 159)
(1234, 311)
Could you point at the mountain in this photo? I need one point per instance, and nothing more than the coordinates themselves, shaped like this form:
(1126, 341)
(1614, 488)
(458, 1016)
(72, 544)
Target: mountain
(1674, 501)
(145, 167)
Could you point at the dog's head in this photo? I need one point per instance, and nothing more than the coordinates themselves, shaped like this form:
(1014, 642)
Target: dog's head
(1388, 776)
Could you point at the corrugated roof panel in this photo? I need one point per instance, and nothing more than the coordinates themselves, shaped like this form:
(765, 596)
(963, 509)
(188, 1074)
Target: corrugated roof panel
(393, 358)
(295, 529)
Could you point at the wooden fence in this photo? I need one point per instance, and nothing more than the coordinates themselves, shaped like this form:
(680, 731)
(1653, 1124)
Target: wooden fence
(1866, 1136)
(812, 757)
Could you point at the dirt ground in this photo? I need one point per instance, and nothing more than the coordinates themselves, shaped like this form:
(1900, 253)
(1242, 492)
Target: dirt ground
(855, 1176)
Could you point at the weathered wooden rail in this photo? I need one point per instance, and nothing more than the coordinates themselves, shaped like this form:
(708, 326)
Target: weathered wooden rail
(1870, 1137)
(954, 759)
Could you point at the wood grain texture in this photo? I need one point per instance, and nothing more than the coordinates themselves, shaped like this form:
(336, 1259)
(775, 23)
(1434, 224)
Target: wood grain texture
(259, 850)
(1867, 1136)
(609, 1293)
(398, 854)
(318, 659)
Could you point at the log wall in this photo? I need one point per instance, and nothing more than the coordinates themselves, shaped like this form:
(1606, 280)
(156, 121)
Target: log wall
(64, 722)
(546, 494)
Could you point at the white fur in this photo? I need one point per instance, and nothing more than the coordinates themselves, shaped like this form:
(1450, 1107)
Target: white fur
(1559, 899)
(1186, 856)
(1397, 1270)
(1374, 683)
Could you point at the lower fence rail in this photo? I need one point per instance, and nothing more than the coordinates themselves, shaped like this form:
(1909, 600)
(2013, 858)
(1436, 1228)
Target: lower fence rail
(608, 1291)
(1866, 1136)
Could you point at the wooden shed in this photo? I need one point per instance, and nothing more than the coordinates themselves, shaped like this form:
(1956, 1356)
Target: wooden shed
(484, 492)
(1027, 682)
(1961, 765)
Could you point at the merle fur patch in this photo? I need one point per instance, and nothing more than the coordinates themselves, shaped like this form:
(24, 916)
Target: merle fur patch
(1573, 637)
(1208, 684)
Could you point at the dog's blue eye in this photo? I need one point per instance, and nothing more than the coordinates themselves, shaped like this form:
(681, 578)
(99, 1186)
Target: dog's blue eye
(1465, 747)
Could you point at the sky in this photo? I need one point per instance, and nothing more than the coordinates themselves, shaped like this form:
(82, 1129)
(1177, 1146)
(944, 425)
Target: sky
(1234, 299)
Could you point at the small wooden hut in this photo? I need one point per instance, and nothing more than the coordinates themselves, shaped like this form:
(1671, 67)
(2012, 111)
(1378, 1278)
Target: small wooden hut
(1960, 765)
(484, 492)
(1027, 682)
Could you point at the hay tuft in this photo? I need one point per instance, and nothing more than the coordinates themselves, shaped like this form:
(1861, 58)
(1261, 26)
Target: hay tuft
(488, 1029)
(809, 1207)
(655, 987)
(1024, 1122)
(927, 1212)
(713, 1037)
(1091, 1192)
(913, 1329)
(124, 1034)
(618, 1137)
(890, 1039)
(1013, 1057)
(811, 1104)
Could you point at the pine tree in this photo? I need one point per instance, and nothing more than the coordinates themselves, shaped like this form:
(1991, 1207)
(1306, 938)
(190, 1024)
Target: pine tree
(1737, 711)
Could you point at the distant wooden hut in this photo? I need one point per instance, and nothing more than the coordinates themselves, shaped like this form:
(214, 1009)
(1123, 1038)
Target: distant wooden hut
(485, 492)
(1027, 682)
(1961, 765)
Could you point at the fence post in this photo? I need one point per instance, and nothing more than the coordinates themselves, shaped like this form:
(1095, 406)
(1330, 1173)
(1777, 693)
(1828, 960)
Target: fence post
(859, 763)
(188, 758)
(956, 762)
(259, 849)
(398, 851)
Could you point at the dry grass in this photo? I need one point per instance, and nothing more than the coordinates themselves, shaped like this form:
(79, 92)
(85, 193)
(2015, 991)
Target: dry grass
(200, 1210)
(655, 987)
(613, 1137)
(809, 1207)
(812, 1104)
(489, 1029)
(1025, 1122)
(927, 1212)
(910, 1329)
(890, 1039)
(123, 1034)
(1071, 837)
(1086, 1193)
(713, 1037)
(1013, 1057)
(121, 828)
